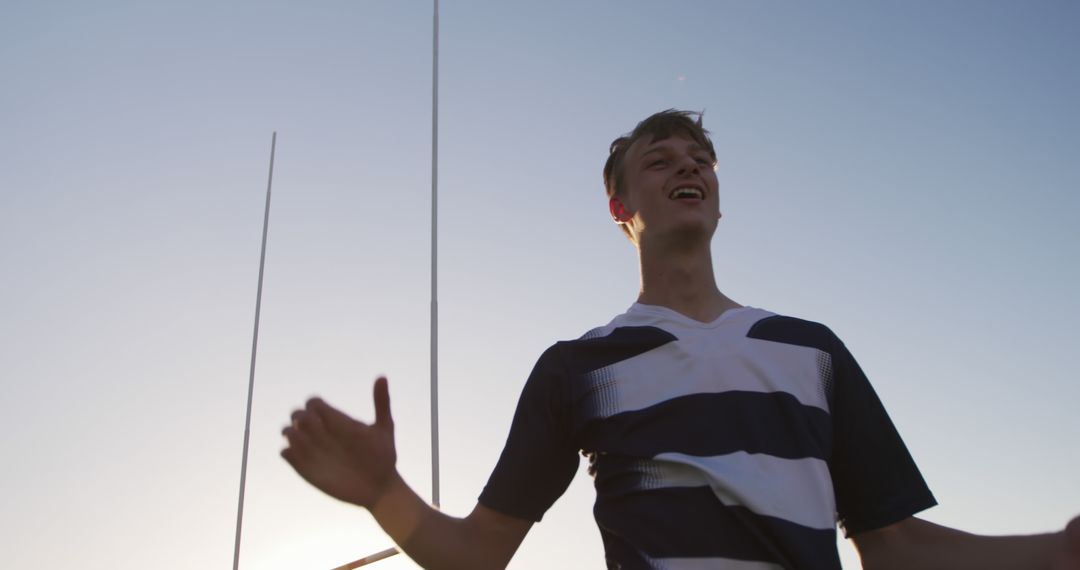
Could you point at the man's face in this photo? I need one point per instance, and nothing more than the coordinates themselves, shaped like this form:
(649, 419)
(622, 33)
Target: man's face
(670, 187)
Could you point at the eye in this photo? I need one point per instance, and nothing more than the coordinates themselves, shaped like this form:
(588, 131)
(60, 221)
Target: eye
(704, 161)
(658, 162)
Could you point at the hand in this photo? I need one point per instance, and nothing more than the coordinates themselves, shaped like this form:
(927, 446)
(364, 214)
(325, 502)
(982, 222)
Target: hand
(346, 459)
(1069, 558)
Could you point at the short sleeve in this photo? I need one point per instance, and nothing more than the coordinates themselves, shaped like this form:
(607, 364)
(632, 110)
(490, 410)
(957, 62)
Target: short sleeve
(540, 458)
(875, 479)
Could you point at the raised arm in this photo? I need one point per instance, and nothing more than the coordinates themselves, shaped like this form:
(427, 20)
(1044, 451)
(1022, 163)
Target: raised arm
(356, 463)
(915, 543)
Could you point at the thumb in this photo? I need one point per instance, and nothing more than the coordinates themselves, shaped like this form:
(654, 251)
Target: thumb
(382, 403)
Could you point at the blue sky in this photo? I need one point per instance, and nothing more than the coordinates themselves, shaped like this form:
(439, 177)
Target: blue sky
(903, 172)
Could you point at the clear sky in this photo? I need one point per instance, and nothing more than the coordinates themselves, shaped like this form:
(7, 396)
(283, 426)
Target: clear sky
(905, 172)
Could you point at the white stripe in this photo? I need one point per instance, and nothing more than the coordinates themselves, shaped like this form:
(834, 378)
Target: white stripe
(784, 367)
(710, 564)
(702, 363)
(796, 490)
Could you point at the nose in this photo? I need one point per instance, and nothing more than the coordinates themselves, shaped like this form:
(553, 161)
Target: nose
(688, 165)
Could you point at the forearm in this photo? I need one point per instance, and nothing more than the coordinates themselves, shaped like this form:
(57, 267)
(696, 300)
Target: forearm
(433, 539)
(920, 544)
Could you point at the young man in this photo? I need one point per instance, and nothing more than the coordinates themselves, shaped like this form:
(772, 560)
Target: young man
(719, 436)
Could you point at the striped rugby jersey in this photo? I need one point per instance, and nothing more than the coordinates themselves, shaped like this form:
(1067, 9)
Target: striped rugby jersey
(734, 444)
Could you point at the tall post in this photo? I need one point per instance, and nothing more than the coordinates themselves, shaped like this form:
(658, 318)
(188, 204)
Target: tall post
(435, 258)
(434, 289)
(254, 349)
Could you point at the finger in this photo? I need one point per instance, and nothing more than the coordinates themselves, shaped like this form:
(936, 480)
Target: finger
(310, 423)
(297, 460)
(382, 403)
(299, 446)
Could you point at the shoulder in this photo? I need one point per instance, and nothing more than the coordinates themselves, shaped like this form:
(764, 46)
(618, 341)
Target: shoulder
(793, 330)
(604, 346)
(622, 338)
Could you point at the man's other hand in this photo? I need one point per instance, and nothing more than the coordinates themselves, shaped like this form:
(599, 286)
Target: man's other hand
(345, 458)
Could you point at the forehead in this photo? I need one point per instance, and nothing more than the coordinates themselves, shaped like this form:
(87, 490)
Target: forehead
(675, 142)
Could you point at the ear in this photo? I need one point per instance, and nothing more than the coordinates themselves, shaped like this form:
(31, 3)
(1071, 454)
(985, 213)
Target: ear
(618, 211)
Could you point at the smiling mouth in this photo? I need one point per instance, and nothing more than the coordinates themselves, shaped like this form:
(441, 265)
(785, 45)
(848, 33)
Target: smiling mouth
(687, 193)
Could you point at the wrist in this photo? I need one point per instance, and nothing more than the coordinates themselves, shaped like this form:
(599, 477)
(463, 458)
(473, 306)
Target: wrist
(390, 486)
(398, 509)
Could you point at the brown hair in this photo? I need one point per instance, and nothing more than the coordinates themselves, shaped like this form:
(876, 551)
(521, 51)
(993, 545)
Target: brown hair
(657, 127)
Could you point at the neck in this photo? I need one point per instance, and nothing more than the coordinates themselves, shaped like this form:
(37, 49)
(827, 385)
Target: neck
(681, 279)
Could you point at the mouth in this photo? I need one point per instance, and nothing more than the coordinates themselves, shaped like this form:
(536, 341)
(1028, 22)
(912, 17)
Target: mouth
(687, 193)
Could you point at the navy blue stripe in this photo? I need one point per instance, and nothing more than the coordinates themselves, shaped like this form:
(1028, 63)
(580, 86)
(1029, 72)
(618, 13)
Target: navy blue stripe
(774, 423)
(692, 522)
(790, 330)
(585, 355)
(620, 555)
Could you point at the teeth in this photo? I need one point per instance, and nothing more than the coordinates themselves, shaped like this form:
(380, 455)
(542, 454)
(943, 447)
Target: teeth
(686, 192)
